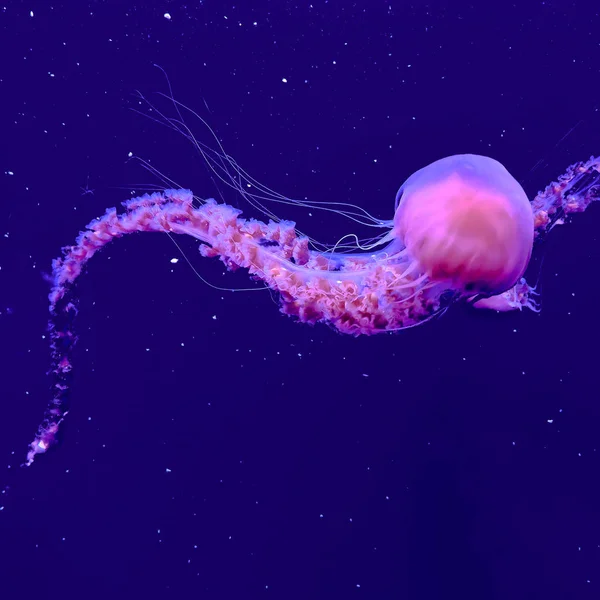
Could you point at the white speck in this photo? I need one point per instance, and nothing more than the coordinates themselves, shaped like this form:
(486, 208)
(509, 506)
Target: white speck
(284, 80)
(174, 261)
(365, 374)
(214, 317)
(167, 16)
(550, 420)
(31, 13)
(167, 470)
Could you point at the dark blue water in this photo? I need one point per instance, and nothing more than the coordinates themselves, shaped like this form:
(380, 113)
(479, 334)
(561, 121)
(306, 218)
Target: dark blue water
(216, 449)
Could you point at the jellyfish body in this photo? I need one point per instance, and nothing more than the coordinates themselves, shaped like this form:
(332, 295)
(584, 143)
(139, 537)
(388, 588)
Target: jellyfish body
(467, 222)
(463, 227)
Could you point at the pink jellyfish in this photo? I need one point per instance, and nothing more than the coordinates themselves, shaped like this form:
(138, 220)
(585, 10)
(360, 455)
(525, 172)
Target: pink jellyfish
(463, 230)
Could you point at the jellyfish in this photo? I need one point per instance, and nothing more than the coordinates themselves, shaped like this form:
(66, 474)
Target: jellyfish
(463, 231)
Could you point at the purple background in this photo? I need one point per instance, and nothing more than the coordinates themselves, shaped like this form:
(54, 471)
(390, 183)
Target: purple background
(247, 456)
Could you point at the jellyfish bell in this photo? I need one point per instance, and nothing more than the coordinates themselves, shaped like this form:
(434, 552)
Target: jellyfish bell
(467, 222)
